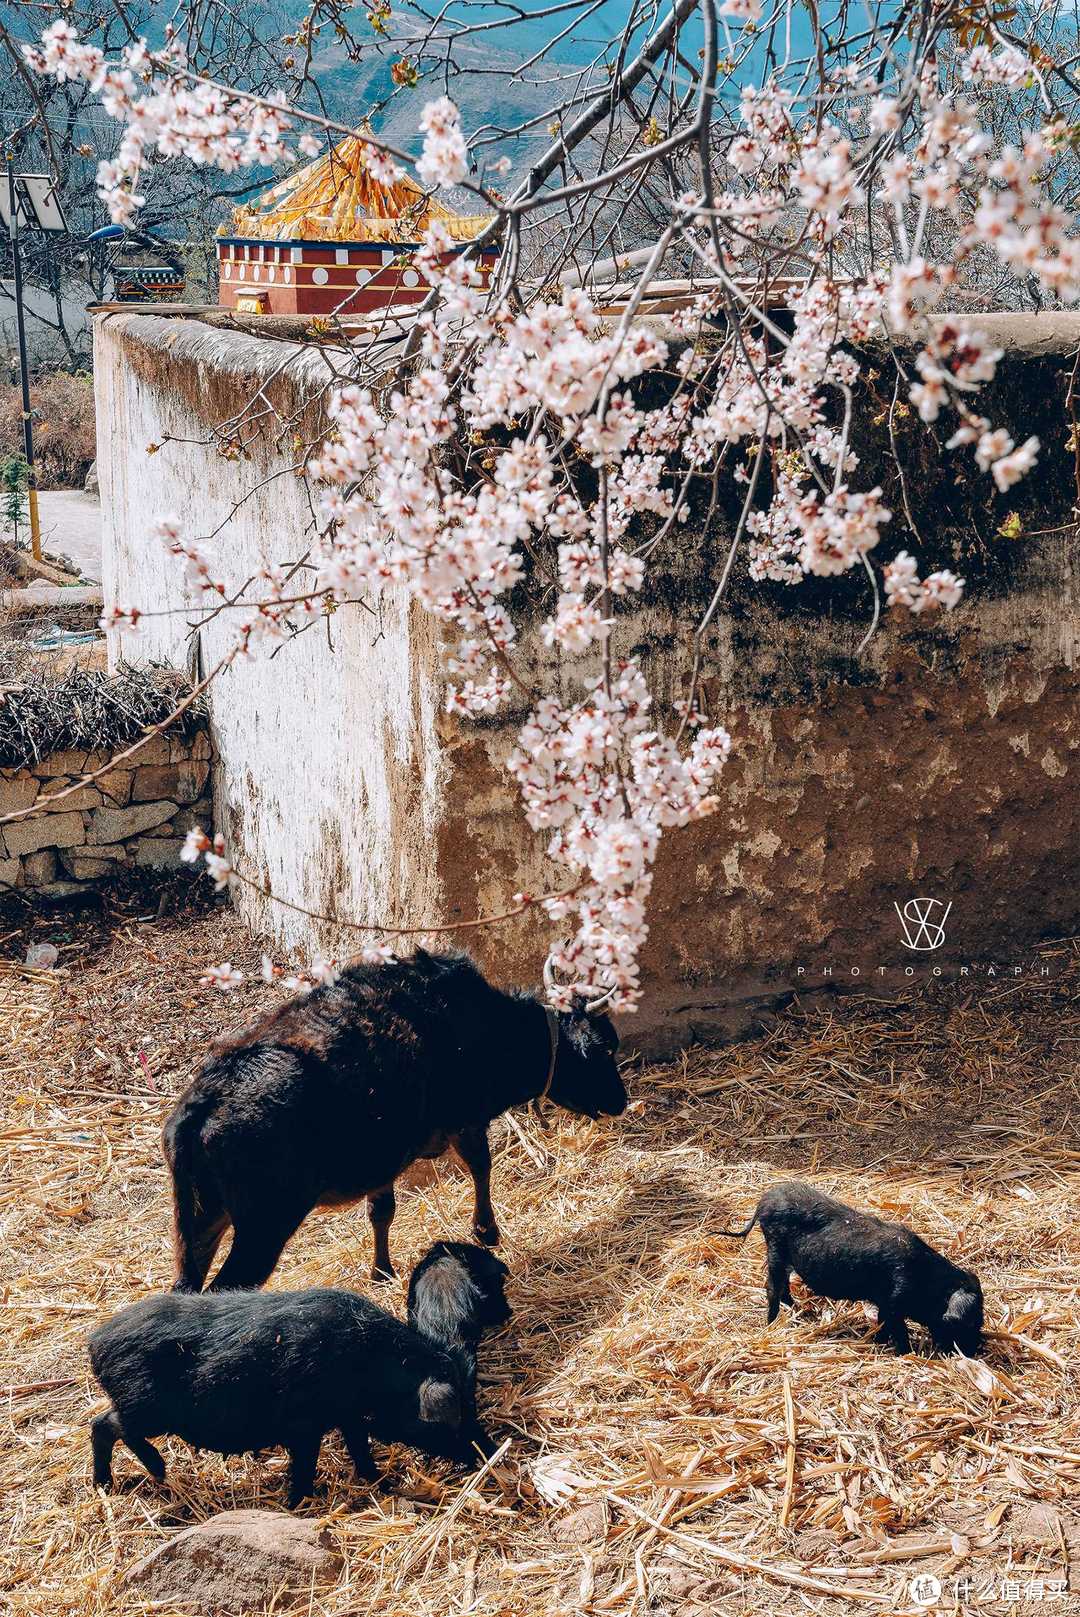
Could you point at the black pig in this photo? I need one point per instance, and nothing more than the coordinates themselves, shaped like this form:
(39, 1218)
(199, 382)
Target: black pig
(457, 1292)
(857, 1257)
(238, 1371)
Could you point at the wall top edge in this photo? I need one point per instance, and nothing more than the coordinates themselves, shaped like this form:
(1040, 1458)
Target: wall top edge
(195, 340)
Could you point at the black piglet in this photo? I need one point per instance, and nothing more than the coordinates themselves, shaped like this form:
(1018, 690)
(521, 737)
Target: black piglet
(457, 1292)
(238, 1371)
(847, 1254)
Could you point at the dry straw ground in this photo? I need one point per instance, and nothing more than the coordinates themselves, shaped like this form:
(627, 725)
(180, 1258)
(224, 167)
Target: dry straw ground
(668, 1452)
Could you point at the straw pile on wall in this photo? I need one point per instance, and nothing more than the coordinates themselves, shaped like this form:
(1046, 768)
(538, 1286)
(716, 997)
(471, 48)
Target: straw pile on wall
(668, 1452)
(87, 709)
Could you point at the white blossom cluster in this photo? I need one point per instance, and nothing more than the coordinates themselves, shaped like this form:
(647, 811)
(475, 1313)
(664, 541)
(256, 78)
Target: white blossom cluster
(444, 159)
(202, 122)
(903, 586)
(607, 785)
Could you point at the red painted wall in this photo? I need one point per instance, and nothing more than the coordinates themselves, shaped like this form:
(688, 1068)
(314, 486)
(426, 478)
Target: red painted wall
(304, 278)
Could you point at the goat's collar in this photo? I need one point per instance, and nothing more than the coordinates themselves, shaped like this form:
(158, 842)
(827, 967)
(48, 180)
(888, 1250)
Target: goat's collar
(553, 1030)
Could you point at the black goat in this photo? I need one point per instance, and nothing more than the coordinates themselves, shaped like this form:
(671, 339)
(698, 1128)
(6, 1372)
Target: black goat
(857, 1257)
(329, 1098)
(233, 1372)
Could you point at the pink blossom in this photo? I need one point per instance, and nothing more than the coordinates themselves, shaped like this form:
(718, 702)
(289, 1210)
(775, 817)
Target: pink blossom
(196, 843)
(224, 977)
(1011, 467)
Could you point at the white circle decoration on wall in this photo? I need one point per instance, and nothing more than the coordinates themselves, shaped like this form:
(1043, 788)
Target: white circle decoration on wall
(363, 276)
(286, 274)
(271, 273)
(228, 272)
(320, 275)
(410, 278)
(256, 271)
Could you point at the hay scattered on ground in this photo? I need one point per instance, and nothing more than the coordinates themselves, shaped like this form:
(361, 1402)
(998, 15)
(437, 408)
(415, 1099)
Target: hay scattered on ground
(87, 708)
(668, 1452)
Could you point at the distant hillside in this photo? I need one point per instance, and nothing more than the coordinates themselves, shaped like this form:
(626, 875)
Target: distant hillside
(492, 101)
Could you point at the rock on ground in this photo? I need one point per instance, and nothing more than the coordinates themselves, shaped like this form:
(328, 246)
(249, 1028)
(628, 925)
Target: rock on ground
(1041, 1523)
(588, 1524)
(236, 1562)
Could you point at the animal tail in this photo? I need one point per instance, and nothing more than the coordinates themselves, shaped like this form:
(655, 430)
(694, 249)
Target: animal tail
(738, 1235)
(199, 1217)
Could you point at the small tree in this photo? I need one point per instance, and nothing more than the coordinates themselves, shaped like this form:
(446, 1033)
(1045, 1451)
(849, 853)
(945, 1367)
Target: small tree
(14, 482)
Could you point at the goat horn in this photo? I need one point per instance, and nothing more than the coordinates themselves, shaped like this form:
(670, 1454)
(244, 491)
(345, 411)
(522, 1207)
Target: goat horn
(551, 982)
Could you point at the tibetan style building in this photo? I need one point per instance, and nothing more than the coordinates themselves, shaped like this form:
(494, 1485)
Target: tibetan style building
(332, 238)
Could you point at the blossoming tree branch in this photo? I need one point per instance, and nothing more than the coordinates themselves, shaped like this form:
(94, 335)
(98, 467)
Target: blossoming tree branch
(872, 162)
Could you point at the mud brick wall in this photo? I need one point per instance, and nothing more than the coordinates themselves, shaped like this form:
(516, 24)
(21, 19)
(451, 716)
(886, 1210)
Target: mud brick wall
(134, 818)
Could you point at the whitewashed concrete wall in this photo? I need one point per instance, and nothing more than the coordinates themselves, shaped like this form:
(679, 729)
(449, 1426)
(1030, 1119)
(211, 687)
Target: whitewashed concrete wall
(327, 755)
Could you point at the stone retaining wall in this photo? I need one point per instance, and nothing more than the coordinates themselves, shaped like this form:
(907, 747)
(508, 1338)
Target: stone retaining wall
(133, 818)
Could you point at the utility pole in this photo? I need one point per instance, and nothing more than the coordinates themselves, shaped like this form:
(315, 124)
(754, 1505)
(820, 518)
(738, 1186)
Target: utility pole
(24, 369)
(30, 199)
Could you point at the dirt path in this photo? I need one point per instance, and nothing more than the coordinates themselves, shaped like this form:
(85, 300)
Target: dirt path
(71, 526)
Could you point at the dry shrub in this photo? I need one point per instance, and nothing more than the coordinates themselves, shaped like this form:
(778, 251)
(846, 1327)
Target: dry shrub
(64, 435)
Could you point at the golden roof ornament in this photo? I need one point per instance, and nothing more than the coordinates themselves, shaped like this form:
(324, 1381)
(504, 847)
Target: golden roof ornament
(336, 197)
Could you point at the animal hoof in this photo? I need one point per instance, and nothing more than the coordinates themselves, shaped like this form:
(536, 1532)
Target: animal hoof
(487, 1234)
(378, 1274)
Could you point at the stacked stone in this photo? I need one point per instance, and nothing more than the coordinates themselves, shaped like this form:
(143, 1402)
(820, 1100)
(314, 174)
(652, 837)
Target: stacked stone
(135, 817)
